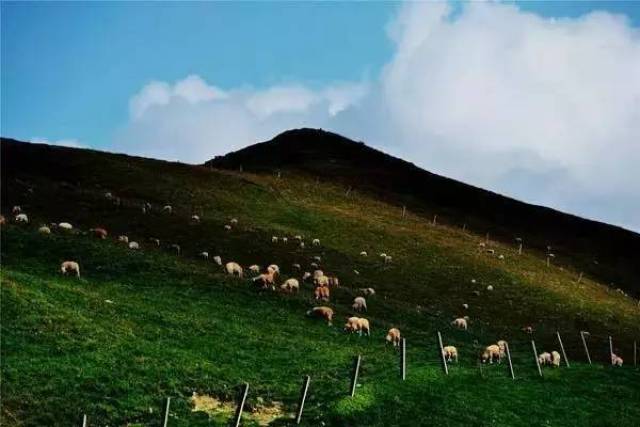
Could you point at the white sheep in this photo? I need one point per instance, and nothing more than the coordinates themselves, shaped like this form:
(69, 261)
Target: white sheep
(204, 255)
(306, 275)
(274, 269)
(383, 255)
(363, 253)
(490, 288)
(317, 258)
(387, 259)
(70, 267)
(234, 221)
(500, 256)
(315, 242)
(296, 266)
(274, 239)
(155, 241)
(233, 268)
(301, 245)
(134, 245)
(368, 291)
(290, 285)
(460, 323)
(450, 353)
(314, 265)
(254, 268)
(544, 358)
(285, 240)
(175, 247)
(616, 360)
(22, 218)
(359, 304)
(217, 259)
(555, 359)
(297, 237)
(195, 219)
(16, 210)
(123, 239)
(167, 209)
(465, 306)
(317, 273)
(65, 226)
(227, 227)
(44, 230)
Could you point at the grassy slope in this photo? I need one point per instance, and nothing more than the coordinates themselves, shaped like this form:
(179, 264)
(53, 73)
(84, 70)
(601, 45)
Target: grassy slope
(177, 325)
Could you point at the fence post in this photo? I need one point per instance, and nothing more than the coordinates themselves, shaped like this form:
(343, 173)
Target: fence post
(564, 354)
(84, 420)
(464, 227)
(403, 359)
(354, 377)
(165, 417)
(303, 397)
(513, 377)
(535, 356)
(611, 349)
(243, 399)
(404, 211)
(635, 352)
(580, 277)
(444, 359)
(435, 219)
(586, 349)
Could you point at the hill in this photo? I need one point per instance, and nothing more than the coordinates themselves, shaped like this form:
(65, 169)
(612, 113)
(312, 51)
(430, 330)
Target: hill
(143, 325)
(603, 251)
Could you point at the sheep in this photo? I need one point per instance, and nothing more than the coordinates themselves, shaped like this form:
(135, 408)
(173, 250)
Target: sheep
(491, 353)
(359, 304)
(285, 240)
(368, 291)
(393, 337)
(204, 255)
(134, 245)
(217, 259)
(315, 242)
(322, 281)
(357, 324)
(502, 345)
(290, 285)
(306, 275)
(544, 358)
(108, 195)
(297, 237)
(473, 281)
(528, 329)
(195, 219)
(476, 293)
(100, 233)
(274, 239)
(387, 259)
(233, 268)
(317, 273)
(167, 209)
(22, 218)
(383, 255)
(325, 313)
(296, 266)
(227, 227)
(616, 360)
(175, 247)
(322, 293)
(465, 306)
(363, 253)
(501, 256)
(266, 280)
(333, 281)
(450, 353)
(2, 220)
(489, 288)
(16, 210)
(274, 268)
(314, 265)
(555, 359)
(301, 245)
(317, 258)
(65, 226)
(123, 239)
(482, 244)
(460, 323)
(252, 268)
(234, 221)
(155, 241)
(356, 272)
(70, 267)
(44, 230)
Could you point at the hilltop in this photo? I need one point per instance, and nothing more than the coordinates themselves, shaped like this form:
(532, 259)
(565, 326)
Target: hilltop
(606, 252)
(143, 325)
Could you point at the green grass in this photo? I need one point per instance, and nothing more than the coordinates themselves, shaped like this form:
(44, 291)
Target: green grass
(177, 325)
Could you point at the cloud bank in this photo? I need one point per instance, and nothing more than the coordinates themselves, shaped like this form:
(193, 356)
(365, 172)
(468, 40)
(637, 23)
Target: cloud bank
(544, 110)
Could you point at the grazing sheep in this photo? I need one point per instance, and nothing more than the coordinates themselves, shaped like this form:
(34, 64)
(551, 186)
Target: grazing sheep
(322, 293)
(296, 266)
(476, 293)
(217, 259)
(482, 244)
(227, 227)
(274, 239)
(301, 245)
(490, 288)
(298, 238)
(387, 259)
(290, 286)
(195, 219)
(356, 272)
(123, 239)
(357, 324)
(155, 241)
(502, 345)
(528, 329)
(317, 258)
(65, 226)
(333, 281)
(266, 280)
(368, 291)
(359, 304)
(234, 221)
(363, 253)
(500, 256)
(175, 247)
(555, 359)
(544, 358)
(253, 268)
(460, 323)
(325, 313)
(317, 273)
(450, 353)
(22, 218)
(16, 210)
(204, 255)
(274, 269)
(393, 336)
(44, 230)
(383, 255)
(306, 275)
(167, 209)
(134, 245)
(616, 360)
(70, 267)
(491, 353)
(108, 195)
(233, 268)
(315, 242)
(473, 281)
(465, 306)
(100, 233)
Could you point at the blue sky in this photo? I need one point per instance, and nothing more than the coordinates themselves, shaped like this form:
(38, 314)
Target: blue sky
(528, 99)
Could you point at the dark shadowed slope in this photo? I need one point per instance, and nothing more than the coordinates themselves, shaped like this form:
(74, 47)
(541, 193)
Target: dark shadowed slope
(604, 251)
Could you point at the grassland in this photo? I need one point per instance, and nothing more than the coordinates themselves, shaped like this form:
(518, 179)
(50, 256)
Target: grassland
(140, 326)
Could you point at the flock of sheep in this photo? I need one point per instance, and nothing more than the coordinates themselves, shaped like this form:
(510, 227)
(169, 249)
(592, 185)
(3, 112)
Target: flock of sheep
(270, 279)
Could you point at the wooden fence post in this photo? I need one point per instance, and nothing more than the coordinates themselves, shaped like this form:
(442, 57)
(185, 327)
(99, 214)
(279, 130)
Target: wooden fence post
(303, 397)
(580, 277)
(84, 420)
(435, 219)
(611, 349)
(354, 377)
(404, 211)
(464, 227)
(403, 359)
(239, 409)
(564, 354)
(586, 349)
(442, 356)
(513, 377)
(535, 356)
(165, 417)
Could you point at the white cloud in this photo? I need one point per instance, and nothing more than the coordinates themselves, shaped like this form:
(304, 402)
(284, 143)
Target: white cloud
(74, 143)
(546, 110)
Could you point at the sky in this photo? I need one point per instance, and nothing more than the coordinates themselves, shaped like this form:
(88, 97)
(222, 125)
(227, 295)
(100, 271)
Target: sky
(536, 100)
